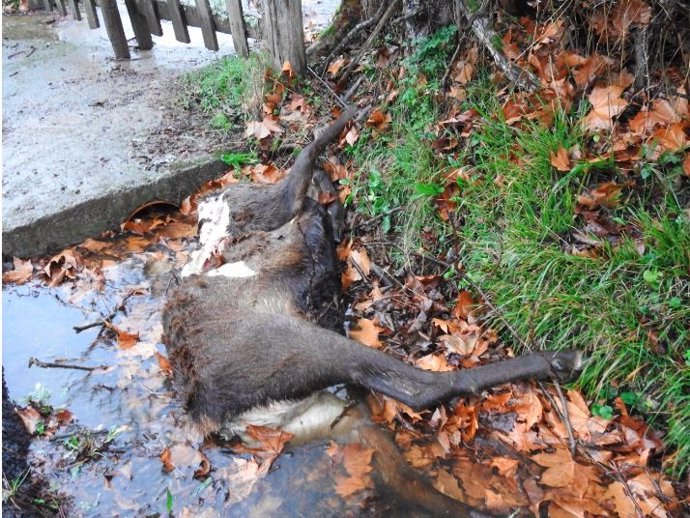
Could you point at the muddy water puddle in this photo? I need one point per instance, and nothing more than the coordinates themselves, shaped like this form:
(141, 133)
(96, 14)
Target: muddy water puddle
(130, 449)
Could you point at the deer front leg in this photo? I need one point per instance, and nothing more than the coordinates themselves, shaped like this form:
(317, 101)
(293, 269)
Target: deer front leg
(420, 389)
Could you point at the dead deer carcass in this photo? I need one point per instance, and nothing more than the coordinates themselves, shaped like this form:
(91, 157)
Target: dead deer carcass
(246, 346)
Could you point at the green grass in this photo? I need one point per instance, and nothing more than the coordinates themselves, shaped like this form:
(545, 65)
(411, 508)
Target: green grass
(629, 308)
(399, 168)
(226, 90)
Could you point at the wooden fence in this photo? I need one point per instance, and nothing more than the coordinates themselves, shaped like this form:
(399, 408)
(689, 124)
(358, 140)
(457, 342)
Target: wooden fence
(146, 16)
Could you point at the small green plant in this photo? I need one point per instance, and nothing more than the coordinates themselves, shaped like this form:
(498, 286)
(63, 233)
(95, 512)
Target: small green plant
(10, 488)
(88, 445)
(604, 411)
(168, 501)
(238, 159)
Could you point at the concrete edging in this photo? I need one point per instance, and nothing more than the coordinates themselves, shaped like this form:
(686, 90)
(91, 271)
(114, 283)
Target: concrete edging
(91, 217)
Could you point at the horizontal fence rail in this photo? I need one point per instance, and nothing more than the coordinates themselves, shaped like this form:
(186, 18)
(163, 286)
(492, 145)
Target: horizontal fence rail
(146, 16)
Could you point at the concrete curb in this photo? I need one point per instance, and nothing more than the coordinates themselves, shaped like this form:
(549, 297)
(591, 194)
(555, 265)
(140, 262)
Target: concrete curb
(91, 217)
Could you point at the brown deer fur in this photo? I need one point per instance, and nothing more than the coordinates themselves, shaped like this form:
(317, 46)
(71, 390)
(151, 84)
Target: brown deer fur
(254, 335)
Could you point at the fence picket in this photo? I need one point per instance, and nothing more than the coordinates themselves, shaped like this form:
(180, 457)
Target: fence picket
(146, 7)
(91, 14)
(237, 28)
(179, 25)
(74, 7)
(145, 16)
(208, 29)
(113, 26)
(139, 25)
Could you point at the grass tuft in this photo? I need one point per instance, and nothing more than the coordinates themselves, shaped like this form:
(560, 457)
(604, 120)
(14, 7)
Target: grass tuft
(229, 90)
(628, 307)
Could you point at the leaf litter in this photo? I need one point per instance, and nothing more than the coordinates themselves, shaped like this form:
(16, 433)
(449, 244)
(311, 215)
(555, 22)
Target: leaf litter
(505, 450)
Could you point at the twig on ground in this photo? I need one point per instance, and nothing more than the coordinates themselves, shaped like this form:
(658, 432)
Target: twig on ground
(481, 26)
(102, 322)
(359, 27)
(55, 365)
(433, 260)
(31, 51)
(641, 58)
(562, 412)
(328, 87)
(96, 323)
(384, 276)
(394, 5)
(353, 88)
(628, 491)
(364, 277)
(368, 223)
(450, 64)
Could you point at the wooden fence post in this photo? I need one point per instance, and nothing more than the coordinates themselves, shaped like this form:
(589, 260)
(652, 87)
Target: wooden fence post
(74, 7)
(91, 14)
(284, 33)
(237, 28)
(208, 28)
(139, 25)
(179, 26)
(113, 26)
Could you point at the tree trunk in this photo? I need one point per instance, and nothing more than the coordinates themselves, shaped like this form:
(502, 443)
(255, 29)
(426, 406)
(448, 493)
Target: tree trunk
(284, 34)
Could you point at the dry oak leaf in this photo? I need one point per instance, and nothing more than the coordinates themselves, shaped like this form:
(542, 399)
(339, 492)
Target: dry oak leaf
(661, 113)
(628, 12)
(434, 362)
(463, 344)
(346, 486)
(362, 259)
(23, 270)
(166, 458)
(287, 71)
(464, 306)
(606, 104)
(64, 264)
(686, 165)
(30, 417)
(606, 194)
(672, 138)
(560, 159)
(377, 119)
(263, 129)
(265, 173)
(368, 333)
(336, 65)
(336, 171)
(357, 459)
(164, 364)
(125, 339)
(270, 440)
(352, 136)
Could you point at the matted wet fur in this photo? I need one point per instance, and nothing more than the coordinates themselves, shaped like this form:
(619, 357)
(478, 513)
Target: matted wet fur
(246, 328)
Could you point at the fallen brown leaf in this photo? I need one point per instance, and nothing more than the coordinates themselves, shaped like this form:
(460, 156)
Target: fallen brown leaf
(560, 159)
(23, 271)
(368, 333)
